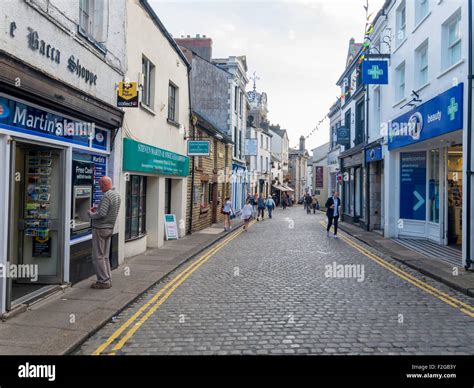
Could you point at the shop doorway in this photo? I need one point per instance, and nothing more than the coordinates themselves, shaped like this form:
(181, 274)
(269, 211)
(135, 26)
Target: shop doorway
(214, 202)
(36, 220)
(454, 196)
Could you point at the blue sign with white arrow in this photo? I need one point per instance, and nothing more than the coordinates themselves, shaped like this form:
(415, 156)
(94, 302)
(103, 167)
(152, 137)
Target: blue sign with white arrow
(375, 72)
(413, 185)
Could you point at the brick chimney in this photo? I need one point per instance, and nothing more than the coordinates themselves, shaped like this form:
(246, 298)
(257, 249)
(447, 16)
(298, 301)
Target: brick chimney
(302, 145)
(201, 45)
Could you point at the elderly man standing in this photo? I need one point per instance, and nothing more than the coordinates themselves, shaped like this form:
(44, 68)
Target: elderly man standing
(103, 221)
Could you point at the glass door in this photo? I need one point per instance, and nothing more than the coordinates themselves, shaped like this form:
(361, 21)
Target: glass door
(36, 231)
(454, 195)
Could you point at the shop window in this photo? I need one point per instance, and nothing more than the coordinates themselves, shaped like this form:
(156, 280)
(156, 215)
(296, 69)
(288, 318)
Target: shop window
(172, 102)
(433, 188)
(148, 71)
(135, 217)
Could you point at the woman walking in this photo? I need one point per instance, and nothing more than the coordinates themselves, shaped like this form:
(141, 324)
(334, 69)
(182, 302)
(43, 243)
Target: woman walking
(261, 208)
(247, 214)
(227, 210)
(270, 204)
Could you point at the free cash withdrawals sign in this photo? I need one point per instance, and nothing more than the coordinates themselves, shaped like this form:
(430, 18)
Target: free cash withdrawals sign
(141, 157)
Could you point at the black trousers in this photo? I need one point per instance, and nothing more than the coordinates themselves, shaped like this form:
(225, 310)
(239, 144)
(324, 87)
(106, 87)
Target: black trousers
(332, 219)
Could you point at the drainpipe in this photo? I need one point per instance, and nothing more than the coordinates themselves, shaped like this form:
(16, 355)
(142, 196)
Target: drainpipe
(191, 202)
(469, 143)
(367, 167)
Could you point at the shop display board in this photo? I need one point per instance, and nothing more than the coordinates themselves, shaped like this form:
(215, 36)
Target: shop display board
(37, 201)
(413, 185)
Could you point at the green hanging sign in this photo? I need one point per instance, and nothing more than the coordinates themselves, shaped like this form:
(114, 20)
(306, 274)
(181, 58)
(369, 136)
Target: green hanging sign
(141, 157)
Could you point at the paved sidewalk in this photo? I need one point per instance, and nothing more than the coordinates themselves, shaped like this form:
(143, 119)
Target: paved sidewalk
(62, 321)
(428, 266)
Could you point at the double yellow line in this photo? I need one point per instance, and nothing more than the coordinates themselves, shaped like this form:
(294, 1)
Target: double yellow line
(139, 318)
(448, 299)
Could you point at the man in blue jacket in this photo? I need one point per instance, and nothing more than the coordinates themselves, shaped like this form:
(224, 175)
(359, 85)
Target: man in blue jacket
(333, 207)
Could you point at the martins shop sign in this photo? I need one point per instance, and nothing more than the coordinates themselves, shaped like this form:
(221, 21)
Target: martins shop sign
(51, 52)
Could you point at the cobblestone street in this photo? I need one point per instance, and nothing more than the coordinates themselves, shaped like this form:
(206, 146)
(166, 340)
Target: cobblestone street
(266, 292)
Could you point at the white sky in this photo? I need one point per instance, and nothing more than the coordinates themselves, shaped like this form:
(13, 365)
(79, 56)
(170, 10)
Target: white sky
(298, 49)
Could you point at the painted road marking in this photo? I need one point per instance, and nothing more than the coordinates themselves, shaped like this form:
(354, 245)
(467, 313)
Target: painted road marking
(448, 299)
(183, 275)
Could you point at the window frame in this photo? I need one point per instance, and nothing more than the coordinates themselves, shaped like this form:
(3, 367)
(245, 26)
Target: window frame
(173, 102)
(401, 10)
(148, 87)
(420, 52)
(422, 8)
(398, 71)
(457, 42)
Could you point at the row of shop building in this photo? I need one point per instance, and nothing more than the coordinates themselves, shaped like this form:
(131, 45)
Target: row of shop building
(400, 153)
(61, 129)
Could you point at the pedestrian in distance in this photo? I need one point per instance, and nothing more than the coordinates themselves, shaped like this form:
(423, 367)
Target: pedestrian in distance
(307, 202)
(315, 203)
(261, 208)
(333, 205)
(227, 210)
(270, 204)
(253, 202)
(247, 214)
(284, 201)
(103, 218)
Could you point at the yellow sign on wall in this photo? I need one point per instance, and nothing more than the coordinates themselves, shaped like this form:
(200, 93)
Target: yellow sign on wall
(127, 95)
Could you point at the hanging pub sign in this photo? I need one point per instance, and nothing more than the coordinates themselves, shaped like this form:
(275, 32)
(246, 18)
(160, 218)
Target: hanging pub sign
(375, 72)
(127, 95)
(343, 136)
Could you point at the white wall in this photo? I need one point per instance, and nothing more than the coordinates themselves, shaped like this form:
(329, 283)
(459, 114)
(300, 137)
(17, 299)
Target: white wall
(150, 126)
(58, 27)
(439, 80)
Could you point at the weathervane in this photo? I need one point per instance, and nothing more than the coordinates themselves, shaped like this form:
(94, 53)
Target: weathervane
(254, 78)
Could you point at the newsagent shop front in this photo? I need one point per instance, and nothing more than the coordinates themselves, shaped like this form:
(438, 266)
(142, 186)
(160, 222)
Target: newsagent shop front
(50, 165)
(425, 171)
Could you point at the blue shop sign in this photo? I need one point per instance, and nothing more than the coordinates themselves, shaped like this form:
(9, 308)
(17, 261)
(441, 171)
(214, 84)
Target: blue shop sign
(373, 154)
(413, 185)
(375, 72)
(442, 114)
(20, 117)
